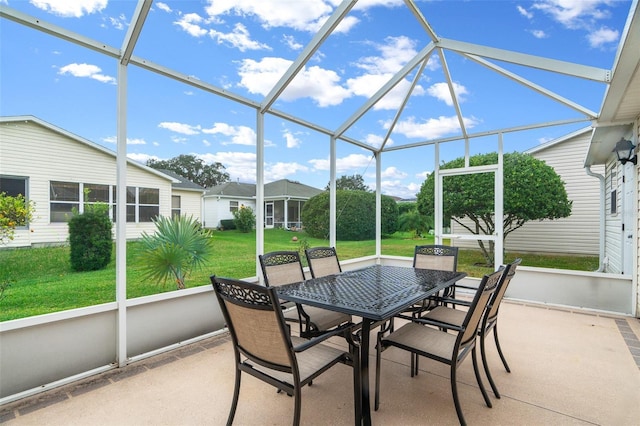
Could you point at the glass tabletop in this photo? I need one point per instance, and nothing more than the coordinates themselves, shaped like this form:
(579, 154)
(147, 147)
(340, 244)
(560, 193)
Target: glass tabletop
(376, 292)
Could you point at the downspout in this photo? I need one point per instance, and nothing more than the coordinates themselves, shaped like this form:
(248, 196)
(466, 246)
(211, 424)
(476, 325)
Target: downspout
(587, 169)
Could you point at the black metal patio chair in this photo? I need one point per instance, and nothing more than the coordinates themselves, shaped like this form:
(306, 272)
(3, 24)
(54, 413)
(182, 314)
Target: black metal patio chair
(264, 348)
(445, 317)
(284, 267)
(442, 346)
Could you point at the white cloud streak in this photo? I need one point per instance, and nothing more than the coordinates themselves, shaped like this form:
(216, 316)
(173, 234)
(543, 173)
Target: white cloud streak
(86, 71)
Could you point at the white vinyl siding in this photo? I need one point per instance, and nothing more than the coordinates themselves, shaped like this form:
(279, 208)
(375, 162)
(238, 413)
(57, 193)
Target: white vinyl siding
(45, 155)
(217, 208)
(613, 221)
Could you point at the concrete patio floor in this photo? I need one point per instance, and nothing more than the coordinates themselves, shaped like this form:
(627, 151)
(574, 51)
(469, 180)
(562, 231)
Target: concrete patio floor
(568, 367)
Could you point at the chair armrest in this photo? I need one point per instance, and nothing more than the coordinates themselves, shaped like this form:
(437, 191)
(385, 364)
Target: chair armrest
(470, 287)
(312, 342)
(439, 324)
(455, 301)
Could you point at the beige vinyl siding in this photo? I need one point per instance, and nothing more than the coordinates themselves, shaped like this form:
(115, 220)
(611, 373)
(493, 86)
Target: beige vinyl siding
(577, 234)
(190, 202)
(30, 149)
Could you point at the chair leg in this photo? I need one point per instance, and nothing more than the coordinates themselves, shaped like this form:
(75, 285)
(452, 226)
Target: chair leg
(297, 405)
(485, 364)
(234, 402)
(378, 356)
(474, 357)
(454, 392)
(504, 361)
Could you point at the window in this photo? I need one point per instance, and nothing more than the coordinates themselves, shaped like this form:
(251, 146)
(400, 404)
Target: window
(613, 186)
(233, 206)
(148, 204)
(143, 204)
(175, 205)
(13, 186)
(64, 197)
(614, 202)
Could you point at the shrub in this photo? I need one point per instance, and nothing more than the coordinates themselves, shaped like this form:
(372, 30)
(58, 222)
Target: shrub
(244, 219)
(227, 224)
(90, 239)
(356, 215)
(178, 246)
(14, 211)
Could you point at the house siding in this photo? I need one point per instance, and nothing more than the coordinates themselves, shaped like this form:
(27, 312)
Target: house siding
(613, 221)
(217, 208)
(43, 155)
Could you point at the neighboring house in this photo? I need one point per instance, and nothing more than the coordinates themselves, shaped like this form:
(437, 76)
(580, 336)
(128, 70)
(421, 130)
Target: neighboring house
(55, 169)
(283, 202)
(186, 196)
(576, 234)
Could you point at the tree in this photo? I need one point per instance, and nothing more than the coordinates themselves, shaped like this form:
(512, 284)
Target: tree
(356, 219)
(14, 212)
(352, 183)
(532, 191)
(178, 246)
(194, 169)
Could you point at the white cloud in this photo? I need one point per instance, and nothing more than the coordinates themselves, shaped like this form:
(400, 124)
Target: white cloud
(281, 170)
(190, 23)
(119, 23)
(539, 34)
(130, 141)
(292, 141)
(70, 9)
(603, 36)
(574, 14)
(86, 71)
(393, 173)
(163, 6)
(524, 12)
(206, 142)
(240, 135)
(308, 15)
(141, 158)
(375, 140)
(441, 92)
(317, 83)
(423, 175)
(239, 165)
(291, 42)
(238, 38)
(185, 129)
(430, 128)
(352, 162)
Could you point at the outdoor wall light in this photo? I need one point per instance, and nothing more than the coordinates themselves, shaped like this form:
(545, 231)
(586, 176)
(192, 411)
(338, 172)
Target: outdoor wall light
(624, 150)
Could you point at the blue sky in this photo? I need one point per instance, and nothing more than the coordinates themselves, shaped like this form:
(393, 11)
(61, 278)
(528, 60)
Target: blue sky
(244, 46)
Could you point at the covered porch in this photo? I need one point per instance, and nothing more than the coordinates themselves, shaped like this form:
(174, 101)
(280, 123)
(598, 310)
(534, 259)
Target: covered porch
(569, 366)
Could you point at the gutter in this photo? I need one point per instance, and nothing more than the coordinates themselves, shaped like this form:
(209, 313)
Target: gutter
(587, 169)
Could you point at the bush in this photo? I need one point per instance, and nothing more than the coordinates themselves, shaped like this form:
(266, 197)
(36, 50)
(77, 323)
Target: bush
(90, 239)
(356, 215)
(244, 219)
(178, 247)
(227, 224)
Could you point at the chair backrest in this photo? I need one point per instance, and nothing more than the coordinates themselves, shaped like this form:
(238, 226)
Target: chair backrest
(483, 295)
(323, 261)
(494, 304)
(443, 258)
(255, 321)
(281, 267)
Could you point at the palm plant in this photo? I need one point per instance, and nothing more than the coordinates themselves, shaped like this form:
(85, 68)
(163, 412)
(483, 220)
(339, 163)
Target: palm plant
(178, 246)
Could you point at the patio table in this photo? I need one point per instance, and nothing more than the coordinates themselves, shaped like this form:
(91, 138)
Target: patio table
(374, 293)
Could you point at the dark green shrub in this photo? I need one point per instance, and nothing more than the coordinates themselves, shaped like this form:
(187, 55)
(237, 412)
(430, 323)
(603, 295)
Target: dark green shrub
(90, 239)
(227, 224)
(244, 219)
(356, 215)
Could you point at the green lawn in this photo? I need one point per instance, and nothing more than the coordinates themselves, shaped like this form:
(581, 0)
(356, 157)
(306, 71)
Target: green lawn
(41, 279)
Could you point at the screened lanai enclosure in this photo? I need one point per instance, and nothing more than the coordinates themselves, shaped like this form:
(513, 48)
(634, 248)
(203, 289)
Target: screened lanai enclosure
(388, 89)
